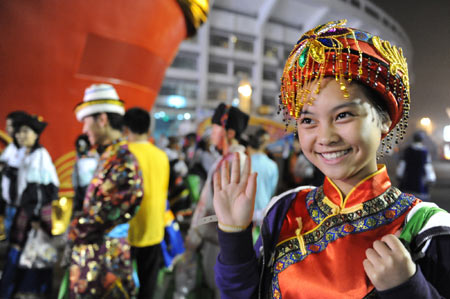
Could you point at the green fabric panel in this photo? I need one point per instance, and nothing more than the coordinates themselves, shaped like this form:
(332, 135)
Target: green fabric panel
(417, 222)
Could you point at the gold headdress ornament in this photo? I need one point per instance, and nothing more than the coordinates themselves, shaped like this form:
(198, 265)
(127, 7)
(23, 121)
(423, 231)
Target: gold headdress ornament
(346, 54)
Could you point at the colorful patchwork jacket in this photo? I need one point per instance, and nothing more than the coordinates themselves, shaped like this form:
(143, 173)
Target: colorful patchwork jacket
(100, 263)
(313, 244)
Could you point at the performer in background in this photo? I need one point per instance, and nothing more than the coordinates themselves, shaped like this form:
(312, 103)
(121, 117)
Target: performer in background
(100, 261)
(31, 256)
(228, 123)
(415, 171)
(10, 161)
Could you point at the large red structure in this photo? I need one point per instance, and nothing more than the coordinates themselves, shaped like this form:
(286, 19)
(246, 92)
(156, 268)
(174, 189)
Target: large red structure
(51, 50)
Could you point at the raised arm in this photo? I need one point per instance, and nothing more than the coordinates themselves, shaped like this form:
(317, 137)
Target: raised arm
(234, 197)
(236, 269)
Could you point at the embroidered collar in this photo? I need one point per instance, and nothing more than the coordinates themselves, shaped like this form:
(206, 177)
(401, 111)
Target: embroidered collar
(372, 186)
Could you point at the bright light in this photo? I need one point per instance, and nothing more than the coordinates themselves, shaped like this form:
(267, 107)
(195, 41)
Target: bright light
(447, 134)
(180, 116)
(447, 151)
(425, 121)
(176, 101)
(235, 102)
(160, 114)
(187, 116)
(245, 90)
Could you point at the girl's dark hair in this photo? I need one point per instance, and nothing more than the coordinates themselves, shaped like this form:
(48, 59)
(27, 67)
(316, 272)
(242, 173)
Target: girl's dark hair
(15, 117)
(376, 100)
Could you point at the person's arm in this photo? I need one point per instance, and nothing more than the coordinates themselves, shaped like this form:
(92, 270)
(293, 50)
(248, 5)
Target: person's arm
(115, 201)
(432, 277)
(390, 268)
(236, 268)
(415, 287)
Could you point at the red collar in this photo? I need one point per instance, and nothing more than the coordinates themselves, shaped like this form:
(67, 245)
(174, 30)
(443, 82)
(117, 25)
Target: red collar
(370, 187)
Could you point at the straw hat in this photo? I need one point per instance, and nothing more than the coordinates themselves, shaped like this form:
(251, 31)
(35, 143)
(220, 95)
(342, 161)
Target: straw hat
(99, 98)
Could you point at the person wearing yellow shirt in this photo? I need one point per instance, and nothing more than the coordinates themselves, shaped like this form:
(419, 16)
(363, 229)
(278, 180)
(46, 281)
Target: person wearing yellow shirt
(147, 227)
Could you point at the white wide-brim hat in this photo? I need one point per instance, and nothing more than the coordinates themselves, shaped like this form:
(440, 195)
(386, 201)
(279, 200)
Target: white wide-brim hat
(99, 98)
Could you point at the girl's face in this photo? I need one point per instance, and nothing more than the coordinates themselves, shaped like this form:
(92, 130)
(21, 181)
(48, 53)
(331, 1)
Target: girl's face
(341, 136)
(26, 137)
(217, 135)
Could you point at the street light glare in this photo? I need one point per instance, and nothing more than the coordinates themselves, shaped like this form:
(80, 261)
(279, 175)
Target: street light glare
(425, 121)
(245, 90)
(447, 133)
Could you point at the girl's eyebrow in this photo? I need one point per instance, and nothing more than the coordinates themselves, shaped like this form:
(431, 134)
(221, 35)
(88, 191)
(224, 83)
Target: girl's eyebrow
(305, 112)
(353, 103)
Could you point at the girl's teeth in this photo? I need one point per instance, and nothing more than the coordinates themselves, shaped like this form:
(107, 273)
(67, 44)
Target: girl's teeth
(334, 155)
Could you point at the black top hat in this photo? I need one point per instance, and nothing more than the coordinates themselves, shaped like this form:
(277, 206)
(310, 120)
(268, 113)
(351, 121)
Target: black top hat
(36, 123)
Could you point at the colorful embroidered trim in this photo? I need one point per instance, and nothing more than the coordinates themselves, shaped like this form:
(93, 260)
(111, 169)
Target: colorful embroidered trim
(377, 212)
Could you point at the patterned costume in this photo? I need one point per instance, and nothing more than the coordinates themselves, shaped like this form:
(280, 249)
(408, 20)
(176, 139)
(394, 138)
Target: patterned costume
(101, 265)
(314, 240)
(321, 255)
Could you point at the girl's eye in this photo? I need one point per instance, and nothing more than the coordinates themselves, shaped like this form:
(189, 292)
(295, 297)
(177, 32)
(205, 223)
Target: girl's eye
(343, 115)
(306, 121)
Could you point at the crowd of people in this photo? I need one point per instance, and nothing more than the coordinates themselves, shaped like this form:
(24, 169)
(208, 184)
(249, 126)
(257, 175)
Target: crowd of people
(130, 198)
(204, 206)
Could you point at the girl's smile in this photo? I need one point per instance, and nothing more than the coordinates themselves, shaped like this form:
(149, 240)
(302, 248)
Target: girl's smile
(334, 157)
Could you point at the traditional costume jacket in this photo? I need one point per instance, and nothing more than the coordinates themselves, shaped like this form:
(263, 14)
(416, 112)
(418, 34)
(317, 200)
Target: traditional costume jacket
(37, 187)
(37, 184)
(100, 264)
(314, 241)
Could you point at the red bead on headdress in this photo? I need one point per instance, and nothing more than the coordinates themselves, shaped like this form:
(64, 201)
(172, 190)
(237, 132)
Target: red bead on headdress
(346, 54)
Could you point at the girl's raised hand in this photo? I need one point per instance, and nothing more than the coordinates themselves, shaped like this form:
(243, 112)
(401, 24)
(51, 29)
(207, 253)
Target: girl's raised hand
(234, 198)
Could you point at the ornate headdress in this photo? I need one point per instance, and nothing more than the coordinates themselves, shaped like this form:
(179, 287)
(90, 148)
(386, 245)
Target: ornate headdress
(346, 54)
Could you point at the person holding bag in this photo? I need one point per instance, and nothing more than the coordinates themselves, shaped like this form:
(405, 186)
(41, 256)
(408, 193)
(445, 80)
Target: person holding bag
(31, 255)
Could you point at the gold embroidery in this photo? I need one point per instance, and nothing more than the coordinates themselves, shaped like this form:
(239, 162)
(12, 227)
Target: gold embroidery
(395, 58)
(298, 233)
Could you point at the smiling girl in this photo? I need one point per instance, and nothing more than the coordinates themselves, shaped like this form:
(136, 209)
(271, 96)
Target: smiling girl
(356, 236)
